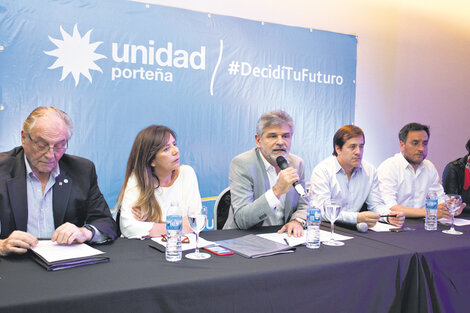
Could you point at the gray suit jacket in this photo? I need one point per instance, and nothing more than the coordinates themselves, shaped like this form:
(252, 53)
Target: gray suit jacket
(248, 184)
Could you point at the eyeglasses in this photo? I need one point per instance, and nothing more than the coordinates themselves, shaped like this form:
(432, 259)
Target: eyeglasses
(185, 239)
(43, 147)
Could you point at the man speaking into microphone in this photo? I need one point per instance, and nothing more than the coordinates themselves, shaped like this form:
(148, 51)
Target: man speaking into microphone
(262, 193)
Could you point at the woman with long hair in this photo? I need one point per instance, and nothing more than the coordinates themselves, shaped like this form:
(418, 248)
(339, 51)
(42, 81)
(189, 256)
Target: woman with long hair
(154, 179)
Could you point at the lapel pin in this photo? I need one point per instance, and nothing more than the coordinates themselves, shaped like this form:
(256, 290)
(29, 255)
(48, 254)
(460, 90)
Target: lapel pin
(60, 183)
(66, 180)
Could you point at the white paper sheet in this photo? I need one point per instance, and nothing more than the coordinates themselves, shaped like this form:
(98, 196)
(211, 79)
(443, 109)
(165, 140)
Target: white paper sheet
(293, 241)
(457, 221)
(382, 227)
(188, 246)
(53, 252)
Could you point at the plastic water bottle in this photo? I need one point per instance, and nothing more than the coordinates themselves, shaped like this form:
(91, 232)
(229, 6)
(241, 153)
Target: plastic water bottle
(431, 211)
(313, 228)
(174, 229)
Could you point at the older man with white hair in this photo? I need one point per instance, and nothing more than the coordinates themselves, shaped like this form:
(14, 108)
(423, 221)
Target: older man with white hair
(45, 193)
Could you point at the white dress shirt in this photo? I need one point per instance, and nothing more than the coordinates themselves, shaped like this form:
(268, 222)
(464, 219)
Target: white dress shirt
(184, 191)
(400, 184)
(276, 205)
(330, 182)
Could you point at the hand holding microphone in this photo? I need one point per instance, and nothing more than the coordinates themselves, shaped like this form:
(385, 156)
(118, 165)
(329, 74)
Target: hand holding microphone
(287, 178)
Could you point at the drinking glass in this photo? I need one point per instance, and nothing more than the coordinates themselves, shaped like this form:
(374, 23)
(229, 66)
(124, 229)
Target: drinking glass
(197, 218)
(332, 210)
(452, 203)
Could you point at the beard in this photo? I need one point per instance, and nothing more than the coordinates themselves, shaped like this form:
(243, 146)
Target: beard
(414, 162)
(272, 155)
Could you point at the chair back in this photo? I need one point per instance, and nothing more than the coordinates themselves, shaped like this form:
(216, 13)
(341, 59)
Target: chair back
(222, 208)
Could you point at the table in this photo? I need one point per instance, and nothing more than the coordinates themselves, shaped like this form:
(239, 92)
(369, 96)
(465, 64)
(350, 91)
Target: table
(443, 264)
(365, 275)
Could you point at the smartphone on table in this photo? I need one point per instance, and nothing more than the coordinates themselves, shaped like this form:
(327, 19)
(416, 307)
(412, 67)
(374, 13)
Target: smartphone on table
(218, 250)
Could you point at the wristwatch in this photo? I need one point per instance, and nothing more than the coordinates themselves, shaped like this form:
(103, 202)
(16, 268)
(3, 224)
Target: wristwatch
(92, 229)
(301, 221)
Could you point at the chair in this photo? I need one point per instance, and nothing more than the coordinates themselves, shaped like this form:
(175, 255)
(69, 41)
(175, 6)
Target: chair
(222, 207)
(116, 214)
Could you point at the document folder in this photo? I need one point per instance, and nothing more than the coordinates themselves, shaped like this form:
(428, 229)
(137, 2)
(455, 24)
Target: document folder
(252, 246)
(54, 257)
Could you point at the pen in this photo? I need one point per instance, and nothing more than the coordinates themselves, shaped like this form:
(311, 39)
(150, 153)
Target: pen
(287, 242)
(390, 215)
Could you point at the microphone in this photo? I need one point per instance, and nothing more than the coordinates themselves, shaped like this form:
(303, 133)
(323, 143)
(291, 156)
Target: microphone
(282, 163)
(360, 227)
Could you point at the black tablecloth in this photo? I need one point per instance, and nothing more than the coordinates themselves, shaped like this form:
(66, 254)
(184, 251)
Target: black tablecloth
(443, 263)
(365, 275)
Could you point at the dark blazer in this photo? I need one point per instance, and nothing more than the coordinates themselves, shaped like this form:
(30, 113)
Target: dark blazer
(453, 179)
(76, 196)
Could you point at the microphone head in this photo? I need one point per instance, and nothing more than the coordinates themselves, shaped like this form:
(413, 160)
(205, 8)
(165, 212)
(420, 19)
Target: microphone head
(282, 162)
(362, 227)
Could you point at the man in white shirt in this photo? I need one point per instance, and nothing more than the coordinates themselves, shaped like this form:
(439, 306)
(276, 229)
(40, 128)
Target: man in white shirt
(407, 177)
(261, 193)
(345, 178)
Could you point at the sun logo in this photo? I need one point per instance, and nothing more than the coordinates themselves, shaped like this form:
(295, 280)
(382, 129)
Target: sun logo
(75, 54)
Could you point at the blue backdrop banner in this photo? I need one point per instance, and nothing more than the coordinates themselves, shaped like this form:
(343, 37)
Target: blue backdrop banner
(117, 67)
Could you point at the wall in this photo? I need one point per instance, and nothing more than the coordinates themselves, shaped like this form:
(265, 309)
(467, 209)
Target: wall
(413, 62)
